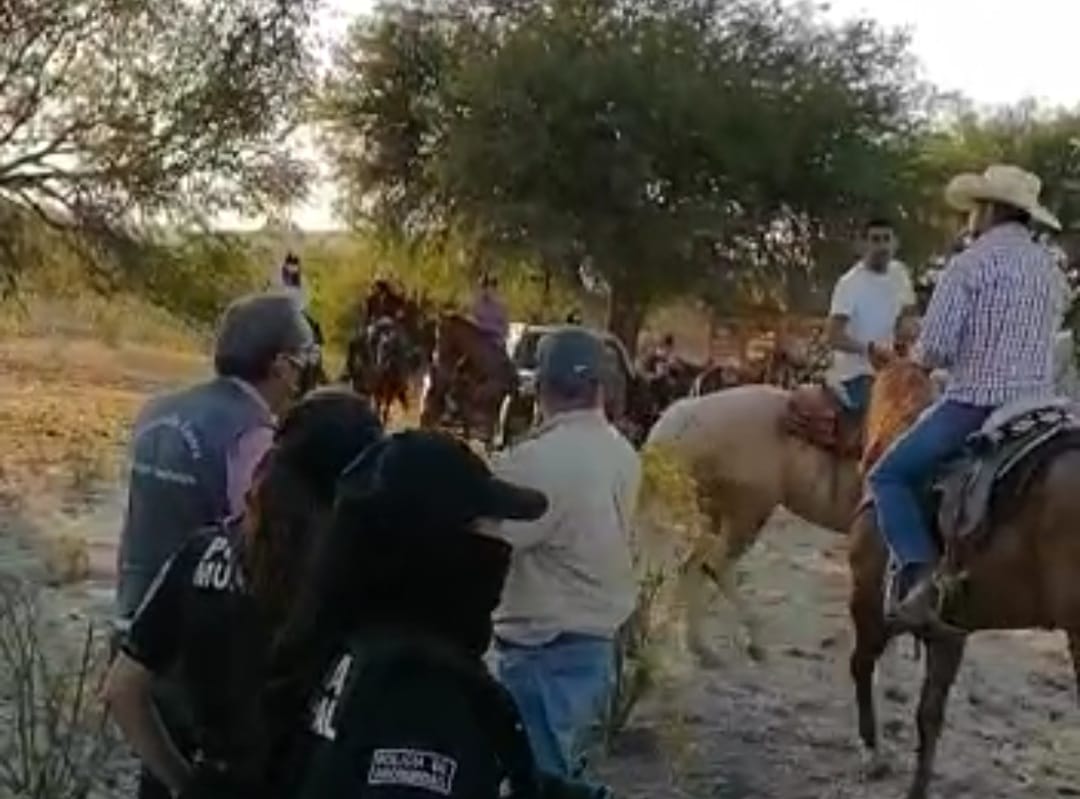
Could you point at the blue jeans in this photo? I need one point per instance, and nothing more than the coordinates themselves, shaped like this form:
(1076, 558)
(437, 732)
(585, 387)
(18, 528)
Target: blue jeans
(858, 393)
(896, 482)
(561, 690)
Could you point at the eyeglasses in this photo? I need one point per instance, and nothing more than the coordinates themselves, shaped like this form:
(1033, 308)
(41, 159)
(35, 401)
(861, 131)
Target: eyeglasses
(305, 358)
(880, 238)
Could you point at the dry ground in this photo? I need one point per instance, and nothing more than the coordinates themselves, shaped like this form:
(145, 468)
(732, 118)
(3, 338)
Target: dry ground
(780, 729)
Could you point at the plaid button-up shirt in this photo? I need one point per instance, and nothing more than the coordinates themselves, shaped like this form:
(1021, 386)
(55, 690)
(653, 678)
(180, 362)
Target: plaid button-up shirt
(993, 317)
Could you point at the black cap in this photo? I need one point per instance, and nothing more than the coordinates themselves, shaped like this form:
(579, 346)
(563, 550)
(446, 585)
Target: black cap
(324, 433)
(432, 477)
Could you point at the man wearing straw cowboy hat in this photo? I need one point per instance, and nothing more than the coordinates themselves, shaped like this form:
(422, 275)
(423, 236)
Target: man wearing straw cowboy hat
(990, 325)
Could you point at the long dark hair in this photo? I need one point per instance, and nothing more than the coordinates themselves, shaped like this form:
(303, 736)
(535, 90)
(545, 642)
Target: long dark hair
(293, 491)
(388, 565)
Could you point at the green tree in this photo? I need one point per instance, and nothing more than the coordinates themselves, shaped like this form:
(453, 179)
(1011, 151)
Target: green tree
(1043, 140)
(119, 114)
(658, 145)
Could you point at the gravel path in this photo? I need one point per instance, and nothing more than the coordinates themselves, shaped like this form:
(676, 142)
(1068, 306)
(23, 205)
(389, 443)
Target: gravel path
(784, 729)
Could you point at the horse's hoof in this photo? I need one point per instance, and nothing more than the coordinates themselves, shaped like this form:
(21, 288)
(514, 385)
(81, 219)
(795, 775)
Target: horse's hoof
(756, 652)
(705, 656)
(874, 764)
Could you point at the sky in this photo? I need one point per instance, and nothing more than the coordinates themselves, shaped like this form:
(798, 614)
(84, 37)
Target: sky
(992, 51)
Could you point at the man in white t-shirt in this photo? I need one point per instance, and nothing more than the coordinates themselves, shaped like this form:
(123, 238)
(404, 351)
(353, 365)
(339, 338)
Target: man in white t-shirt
(868, 303)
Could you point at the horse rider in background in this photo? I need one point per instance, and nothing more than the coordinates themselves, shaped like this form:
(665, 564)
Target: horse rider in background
(489, 313)
(868, 304)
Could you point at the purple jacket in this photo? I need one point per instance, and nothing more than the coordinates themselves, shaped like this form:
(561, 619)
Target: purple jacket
(490, 316)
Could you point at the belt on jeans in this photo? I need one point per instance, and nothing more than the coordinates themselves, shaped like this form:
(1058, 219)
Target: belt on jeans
(561, 638)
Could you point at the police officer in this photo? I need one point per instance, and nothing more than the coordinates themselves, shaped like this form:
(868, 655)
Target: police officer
(207, 620)
(396, 702)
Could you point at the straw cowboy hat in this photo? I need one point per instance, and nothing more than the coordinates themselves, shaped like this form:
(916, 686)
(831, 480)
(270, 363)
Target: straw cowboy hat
(1001, 183)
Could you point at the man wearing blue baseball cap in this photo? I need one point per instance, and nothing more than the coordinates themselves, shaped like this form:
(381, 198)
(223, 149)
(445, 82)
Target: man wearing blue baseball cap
(571, 583)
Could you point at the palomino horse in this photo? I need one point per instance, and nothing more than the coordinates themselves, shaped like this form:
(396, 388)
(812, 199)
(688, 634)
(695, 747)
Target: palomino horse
(1019, 570)
(469, 378)
(746, 462)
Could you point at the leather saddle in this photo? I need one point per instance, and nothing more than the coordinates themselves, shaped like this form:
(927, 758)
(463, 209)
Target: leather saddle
(998, 464)
(814, 415)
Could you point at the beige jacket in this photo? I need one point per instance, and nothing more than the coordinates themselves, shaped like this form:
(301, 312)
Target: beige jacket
(572, 569)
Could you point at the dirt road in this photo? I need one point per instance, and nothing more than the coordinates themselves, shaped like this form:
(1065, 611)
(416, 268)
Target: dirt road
(782, 729)
(785, 729)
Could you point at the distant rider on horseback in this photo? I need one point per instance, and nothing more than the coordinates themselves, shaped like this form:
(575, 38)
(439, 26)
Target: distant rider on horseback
(990, 325)
(488, 312)
(867, 304)
(383, 302)
(291, 282)
(661, 359)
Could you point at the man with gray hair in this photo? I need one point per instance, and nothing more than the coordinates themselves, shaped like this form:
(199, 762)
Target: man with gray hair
(571, 583)
(194, 452)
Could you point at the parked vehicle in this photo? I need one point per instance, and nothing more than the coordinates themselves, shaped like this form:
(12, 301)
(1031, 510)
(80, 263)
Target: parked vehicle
(519, 411)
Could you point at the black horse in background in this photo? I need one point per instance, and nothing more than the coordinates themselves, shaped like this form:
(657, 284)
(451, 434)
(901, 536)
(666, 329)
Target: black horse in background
(314, 374)
(381, 359)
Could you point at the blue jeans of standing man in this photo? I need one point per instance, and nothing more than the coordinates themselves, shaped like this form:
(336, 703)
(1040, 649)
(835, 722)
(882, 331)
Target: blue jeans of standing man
(897, 481)
(561, 690)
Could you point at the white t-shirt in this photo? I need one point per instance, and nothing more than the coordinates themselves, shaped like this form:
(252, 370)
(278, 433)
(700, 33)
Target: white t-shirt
(872, 302)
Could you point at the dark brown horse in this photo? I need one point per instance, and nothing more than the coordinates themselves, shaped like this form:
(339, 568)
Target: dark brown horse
(470, 376)
(720, 377)
(390, 347)
(379, 363)
(1022, 572)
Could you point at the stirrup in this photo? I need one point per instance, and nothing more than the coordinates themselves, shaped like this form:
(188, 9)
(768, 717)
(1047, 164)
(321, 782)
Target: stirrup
(935, 625)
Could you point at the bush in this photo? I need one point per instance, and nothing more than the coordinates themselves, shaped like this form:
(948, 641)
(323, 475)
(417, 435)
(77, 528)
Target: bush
(55, 739)
(195, 278)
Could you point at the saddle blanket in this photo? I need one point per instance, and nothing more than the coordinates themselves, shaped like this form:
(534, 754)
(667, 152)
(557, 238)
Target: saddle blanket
(999, 462)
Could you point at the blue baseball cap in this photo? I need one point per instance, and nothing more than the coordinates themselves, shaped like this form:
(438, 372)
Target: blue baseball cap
(570, 357)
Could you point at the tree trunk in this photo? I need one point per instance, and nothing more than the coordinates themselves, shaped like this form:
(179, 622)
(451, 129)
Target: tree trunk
(626, 315)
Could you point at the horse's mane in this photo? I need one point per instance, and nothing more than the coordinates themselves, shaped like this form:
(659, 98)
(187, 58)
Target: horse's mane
(902, 390)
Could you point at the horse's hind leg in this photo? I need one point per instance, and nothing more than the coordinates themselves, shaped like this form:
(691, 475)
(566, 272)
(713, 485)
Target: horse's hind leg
(943, 657)
(1074, 652)
(696, 590)
(734, 530)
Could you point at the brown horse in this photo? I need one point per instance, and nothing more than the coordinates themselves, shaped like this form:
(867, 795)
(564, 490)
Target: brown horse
(745, 462)
(1025, 572)
(469, 378)
(384, 372)
(723, 376)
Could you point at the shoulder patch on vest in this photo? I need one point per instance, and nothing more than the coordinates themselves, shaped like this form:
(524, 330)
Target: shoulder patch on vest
(413, 768)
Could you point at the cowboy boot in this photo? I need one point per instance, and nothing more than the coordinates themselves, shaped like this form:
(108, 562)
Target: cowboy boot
(918, 611)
